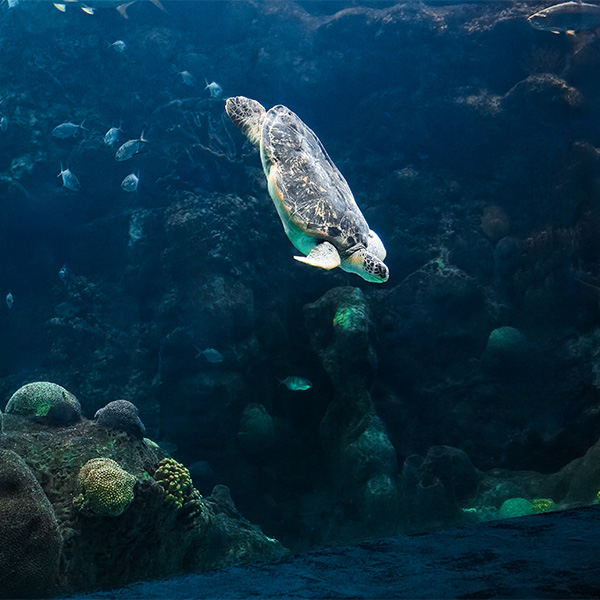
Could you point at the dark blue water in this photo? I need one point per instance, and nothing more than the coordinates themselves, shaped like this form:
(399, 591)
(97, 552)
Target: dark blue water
(470, 141)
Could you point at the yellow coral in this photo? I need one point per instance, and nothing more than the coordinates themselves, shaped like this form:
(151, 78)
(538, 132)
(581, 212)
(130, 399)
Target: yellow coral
(175, 480)
(541, 505)
(107, 489)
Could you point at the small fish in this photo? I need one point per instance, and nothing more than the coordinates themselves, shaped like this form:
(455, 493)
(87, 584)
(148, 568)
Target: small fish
(4, 123)
(112, 135)
(67, 130)
(119, 46)
(187, 78)
(130, 148)
(12, 3)
(567, 17)
(296, 383)
(216, 91)
(69, 180)
(63, 273)
(9, 300)
(61, 7)
(211, 355)
(130, 183)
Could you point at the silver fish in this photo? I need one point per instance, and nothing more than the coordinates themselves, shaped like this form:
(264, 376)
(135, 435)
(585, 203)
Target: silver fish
(187, 78)
(4, 123)
(216, 91)
(567, 17)
(130, 183)
(211, 355)
(9, 300)
(67, 130)
(130, 148)
(112, 135)
(90, 6)
(119, 46)
(296, 383)
(63, 273)
(69, 180)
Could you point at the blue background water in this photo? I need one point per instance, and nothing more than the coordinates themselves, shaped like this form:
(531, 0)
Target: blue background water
(470, 142)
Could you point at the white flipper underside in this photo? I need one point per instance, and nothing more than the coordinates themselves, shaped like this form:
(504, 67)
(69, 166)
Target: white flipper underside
(323, 255)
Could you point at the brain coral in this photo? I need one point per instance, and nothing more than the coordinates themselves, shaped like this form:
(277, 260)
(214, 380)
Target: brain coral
(38, 398)
(30, 540)
(106, 489)
(122, 416)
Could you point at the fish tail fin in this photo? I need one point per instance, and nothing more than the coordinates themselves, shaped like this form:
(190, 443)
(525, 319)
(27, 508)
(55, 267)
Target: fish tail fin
(142, 138)
(61, 170)
(122, 9)
(159, 5)
(81, 125)
(279, 380)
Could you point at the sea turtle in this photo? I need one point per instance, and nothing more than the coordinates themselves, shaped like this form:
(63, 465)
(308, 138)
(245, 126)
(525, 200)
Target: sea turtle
(313, 200)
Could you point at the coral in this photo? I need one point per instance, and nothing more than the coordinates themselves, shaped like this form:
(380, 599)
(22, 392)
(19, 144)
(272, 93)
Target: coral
(41, 399)
(505, 351)
(256, 432)
(107, 489)
(31, 543)
(121, 415)
(175, 480)
(542, 505)
(515, 507)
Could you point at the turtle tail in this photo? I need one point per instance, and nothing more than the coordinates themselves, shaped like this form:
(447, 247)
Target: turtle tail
(248, 115)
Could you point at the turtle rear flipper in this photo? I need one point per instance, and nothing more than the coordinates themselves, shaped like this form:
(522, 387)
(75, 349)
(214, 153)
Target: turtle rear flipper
(323, 255)
(248, 115)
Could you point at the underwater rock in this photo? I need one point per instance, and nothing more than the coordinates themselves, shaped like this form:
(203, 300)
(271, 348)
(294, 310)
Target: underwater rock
(542, 91)
(256, 433)
(339, 325)
(137, 503)
(45, 399)
(121, 415)
(435, 486)
(362, 458)
(495, 223)
(30, 540)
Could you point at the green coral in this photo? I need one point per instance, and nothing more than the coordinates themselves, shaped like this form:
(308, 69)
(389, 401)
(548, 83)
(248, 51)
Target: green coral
(515, 507)
(36, 399)
(106, 488)
(542, 505)
(175, 480)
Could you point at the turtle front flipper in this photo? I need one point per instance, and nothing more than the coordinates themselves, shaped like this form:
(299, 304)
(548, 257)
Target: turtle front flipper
(323, 255)
(248, 115)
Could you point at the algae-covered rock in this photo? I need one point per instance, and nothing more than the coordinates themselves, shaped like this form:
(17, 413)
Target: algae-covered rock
(30, 540)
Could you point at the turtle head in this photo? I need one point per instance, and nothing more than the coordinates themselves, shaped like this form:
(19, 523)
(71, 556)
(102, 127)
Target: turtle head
(366, 264)
(375, 245)
(248, 115)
